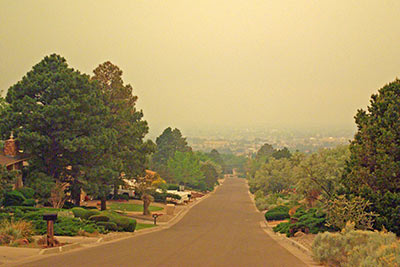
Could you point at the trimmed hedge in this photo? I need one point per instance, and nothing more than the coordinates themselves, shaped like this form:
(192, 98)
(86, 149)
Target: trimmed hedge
(84, 213)
(29, 202)
(99, 218)
(111, 226)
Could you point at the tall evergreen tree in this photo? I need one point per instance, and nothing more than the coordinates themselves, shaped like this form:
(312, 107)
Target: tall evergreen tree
(58, 116)
(129, 155)
(373, 170)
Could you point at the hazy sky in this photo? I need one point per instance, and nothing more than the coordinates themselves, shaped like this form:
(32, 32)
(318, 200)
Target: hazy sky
(203, 63)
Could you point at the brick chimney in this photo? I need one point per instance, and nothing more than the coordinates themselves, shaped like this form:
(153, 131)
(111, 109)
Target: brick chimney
(10, 147)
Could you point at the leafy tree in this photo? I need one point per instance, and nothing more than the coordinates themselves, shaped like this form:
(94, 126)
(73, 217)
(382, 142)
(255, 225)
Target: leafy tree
(7, 178)
(321, 172)
(216, 157)
(211, 175)
(168, 143)
(129, 155)
(265, 152)
(281, 153)
(273, 176)
(58, 116)
(186, 169)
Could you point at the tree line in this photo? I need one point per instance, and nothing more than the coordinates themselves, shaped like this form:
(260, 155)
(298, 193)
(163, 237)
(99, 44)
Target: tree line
(84, 132)
(359, 182)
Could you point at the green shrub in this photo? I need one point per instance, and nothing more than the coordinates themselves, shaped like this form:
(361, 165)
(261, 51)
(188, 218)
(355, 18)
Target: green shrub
(309, 221)
(21, 208)
(68, 205)
(111, 226)
(357, 248)
(173, 187)
(99, 218)
(277, 213)
(29, 202)
(125, 224)
(13, 198)
(27, 192)
(276, 216)
(282, 228)
(84, 213)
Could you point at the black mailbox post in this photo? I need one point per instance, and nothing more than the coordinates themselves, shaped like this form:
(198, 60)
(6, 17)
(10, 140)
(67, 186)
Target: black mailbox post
(155, 216)
(50, 218)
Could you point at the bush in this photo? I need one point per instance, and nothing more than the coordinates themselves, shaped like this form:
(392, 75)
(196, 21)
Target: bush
(309, 221)
(277, 213)
(357, 248)
(111, 226)
(99, 218)
(282, 228)
(125, 224)
(173, 187)
(84, 213)
(29, 202)
(11, 231)
(13, 198)
(276, 216)
(27, 192)
(68, 205)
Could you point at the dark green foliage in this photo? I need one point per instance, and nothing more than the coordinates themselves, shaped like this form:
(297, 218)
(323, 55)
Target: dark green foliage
(387, 206)
(27, 192)
(68, 205)
(312, 220)
(29, 202)
(278, 213)
(63, 225)
(99, 218)
(125, 224)
(162, 197)
(84, 213)
(111, 226)
(276, 216)
(282, 153)
(308, 221)
(13, 198)
(57, 115)
(282, 228)
(373, 170)
(265, 152)
(375, 151)
(7, 178)
(173, 187)
(21, 208)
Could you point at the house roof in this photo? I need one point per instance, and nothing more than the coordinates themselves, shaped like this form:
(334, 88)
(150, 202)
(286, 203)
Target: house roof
(7, 160)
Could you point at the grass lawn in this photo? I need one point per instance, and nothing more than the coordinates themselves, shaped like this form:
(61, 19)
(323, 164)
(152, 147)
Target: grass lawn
(144, 226)
(131, 207)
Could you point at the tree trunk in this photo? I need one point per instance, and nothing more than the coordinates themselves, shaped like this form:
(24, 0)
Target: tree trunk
(76, 194)
(146, 204)
(115, 196)
(103, 203)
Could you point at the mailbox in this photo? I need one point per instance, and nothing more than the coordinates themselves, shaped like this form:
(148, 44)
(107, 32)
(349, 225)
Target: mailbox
(50, 216)
(155, 216)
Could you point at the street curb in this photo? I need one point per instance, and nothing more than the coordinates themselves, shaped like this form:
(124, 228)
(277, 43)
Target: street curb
(283, 238)
(47, 251)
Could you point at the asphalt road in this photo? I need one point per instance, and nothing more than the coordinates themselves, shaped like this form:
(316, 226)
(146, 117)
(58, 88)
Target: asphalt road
(223, 230)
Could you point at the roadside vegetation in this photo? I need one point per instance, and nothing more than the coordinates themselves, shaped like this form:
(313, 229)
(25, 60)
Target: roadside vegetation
(350, 195)
(83, 133)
